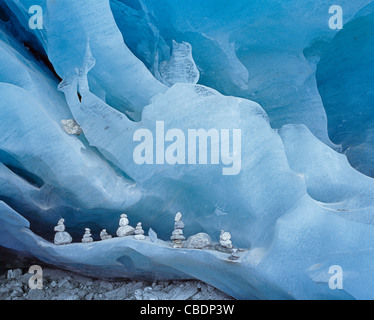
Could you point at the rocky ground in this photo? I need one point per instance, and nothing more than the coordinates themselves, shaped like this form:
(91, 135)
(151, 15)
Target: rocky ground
(63, 285)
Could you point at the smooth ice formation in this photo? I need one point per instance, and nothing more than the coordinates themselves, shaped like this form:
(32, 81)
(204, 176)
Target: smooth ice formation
(265, 51)
(145, 82)
(113, 59)
(152, 235)
(346, 92)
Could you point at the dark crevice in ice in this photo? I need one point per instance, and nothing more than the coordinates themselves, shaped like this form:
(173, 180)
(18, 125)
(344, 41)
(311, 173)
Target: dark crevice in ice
(10, 22)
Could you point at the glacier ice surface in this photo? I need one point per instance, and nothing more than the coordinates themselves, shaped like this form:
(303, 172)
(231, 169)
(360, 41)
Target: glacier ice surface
(297, 206)
(347, 92)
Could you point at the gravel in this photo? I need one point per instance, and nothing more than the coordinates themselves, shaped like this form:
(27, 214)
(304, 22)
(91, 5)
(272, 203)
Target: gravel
(64, 285)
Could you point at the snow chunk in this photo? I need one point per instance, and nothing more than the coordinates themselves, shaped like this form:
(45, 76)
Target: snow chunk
(71, 127)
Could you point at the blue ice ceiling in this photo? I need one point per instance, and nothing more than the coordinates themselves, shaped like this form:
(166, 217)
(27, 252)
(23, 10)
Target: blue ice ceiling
(299, 92)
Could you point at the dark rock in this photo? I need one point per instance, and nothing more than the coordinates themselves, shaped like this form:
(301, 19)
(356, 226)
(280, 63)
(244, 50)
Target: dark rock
(35, 294)
(199, 241)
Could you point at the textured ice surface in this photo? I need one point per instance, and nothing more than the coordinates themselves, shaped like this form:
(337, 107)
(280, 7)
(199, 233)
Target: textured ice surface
(181, 67)
(297, 206)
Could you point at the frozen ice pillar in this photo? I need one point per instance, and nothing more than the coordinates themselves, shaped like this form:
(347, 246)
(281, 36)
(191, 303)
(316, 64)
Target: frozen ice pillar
(181, 67)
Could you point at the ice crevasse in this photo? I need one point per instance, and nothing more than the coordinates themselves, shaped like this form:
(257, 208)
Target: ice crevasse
(297, 206)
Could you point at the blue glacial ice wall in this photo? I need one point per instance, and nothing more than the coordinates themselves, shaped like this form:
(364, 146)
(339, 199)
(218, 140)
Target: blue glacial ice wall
(238, 45)
(345, 81)
(296, 206)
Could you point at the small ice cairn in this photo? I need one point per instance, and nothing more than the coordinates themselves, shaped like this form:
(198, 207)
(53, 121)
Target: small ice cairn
(61, 236)
(225, 240)
(104, 235)
(177, 235)
(139, 233)
(124, 228)
(87, 236)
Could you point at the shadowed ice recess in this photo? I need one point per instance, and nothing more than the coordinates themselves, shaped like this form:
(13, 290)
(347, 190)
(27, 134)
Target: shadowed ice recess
(299, 92)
